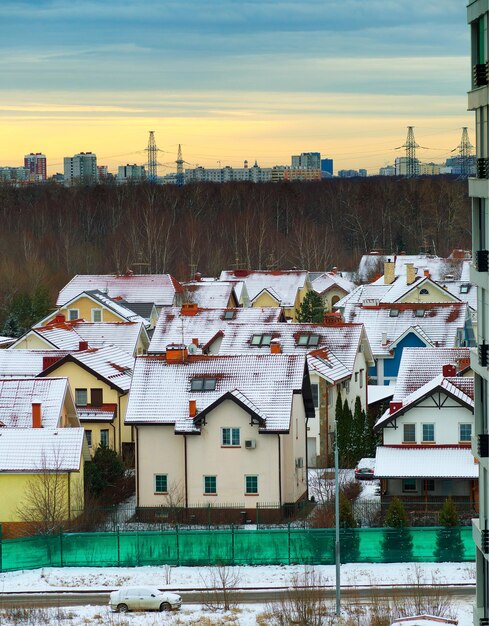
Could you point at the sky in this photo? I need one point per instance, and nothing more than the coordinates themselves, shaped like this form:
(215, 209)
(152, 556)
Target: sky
(232, 79)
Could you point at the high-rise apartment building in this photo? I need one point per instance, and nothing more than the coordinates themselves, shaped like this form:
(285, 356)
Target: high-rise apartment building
(35, 163)
(81, 169)
(307, 160)
(130, 173)
(326, 168)
(478, 15)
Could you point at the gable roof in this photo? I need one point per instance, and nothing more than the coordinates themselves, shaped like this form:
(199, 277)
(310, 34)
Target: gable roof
(328, 366)
(25, 363)
(437, 267)
(420, 365)
(175, 327)
(285, 283)
(211, 294)
(439, 324)
(461, 389)
(327, 280)
(40, 449)
(159, 289)
(160, 392)
(429, 462)
(18, 394)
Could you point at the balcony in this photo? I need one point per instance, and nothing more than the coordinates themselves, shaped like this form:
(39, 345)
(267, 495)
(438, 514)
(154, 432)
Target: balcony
(481, 261)
(485, 541)
(483, 354)
(483, 168)
(479, 75)
(483, 446)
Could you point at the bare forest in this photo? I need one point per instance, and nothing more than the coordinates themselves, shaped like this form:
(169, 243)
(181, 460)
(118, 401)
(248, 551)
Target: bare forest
(48, 233)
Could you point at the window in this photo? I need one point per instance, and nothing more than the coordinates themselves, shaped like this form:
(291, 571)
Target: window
(229, 315)
(409, 433)
(429, 485)
(361, 378)
(428, 432)
(424, 292)
(203, 384)
(419, 313)
(97, 396)
(104, 437)
(96, 315)
(210, 485)
(161, 483)
(81, 397)
(465, 432)
(315, 394)
(230, 437)
(251, 485)
(73, 314)
(88, 435)
(308, 340)
(409, 485)
(394, 313)
(261, 340)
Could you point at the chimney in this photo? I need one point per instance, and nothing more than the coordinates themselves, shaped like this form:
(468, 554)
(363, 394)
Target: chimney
(410, 273)
(192, 408)
(427, 274)
(275, 347)
(82, 345)
(176, 353)
(394, 406)
(47, 361)
(36, 415)
(463, 363)
(59, 319)
(197, 277)
(384, 339)
(449, 370)
(195, 341)
(333, 319)
(189, 308)
(389, 272)
(334, 270)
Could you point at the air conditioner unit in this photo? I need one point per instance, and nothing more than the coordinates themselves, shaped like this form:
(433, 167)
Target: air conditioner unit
(250, 444)
(299, 462)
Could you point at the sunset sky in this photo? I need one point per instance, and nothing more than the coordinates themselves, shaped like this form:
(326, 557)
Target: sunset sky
(232, 80)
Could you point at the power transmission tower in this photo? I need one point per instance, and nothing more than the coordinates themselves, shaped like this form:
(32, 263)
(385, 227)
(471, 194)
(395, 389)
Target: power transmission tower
(412, 168)
(179, 162)
(152, 149)
(465, 154)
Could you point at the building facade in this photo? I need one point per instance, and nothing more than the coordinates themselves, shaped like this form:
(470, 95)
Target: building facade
(307, 160)
(35, 163)
(477, 15)
(81, 169)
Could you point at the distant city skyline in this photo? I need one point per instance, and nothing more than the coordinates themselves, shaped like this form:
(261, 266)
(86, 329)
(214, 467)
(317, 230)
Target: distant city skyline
(256, 80)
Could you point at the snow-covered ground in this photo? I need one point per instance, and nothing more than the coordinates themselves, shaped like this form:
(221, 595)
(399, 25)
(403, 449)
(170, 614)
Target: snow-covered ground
(51, 579)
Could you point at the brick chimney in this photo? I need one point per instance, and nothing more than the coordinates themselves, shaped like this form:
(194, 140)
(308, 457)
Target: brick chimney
(463, 363)
(176, 353)
(192, 408)
(449, 370)
(36, 415)
(47, 361)
(333, 319)
(427, 274)
(195, 341)
(394, 406)
(82, 345)
(275, 347)
(197, 277)
(410, 273)
(59, 319)
(389, 272)
(189, 308)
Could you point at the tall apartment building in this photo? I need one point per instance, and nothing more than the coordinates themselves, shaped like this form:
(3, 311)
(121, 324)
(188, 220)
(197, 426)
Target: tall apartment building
(81, 169)
(35, 163)
(130, 173)
(478, 15)
(307, 160)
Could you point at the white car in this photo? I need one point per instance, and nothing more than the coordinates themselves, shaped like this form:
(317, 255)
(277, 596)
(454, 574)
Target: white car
(144, 599)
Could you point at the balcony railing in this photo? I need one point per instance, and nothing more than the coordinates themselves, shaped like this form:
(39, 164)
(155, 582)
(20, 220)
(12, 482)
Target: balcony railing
(485, 541)
(483, 354)
(479, 74)
(481, 261)
(483, 446)
(483, 168)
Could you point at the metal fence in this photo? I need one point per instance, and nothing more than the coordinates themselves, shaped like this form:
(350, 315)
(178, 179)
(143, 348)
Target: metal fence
(236, 546)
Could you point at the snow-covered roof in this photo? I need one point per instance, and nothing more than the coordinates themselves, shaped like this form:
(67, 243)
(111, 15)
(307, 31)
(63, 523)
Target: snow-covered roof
(328, 366)
(173, 326)
(104, 413)
(67, 335)
(420, 365)
(117, 307)
(18, 394)
(436, 266)
(425, 462)
(458, 387)
(26, 363)
(331, 279)
(376, 393)
(40, 449)
(108, 362)
(211, 295)
(157, 288)
(284, 283)
(439, 323)
(6, 341)
(463, 290)
(160, 391)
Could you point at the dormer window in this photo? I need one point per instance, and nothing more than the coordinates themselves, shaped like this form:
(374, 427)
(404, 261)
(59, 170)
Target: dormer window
(419, 313)
(203, 384)
(464, 288)
(424, 292)
(308, 340)
(229, 315)
(394, 313)
(261, 340)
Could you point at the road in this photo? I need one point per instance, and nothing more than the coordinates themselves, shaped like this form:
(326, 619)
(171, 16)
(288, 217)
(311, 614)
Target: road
(259, 595)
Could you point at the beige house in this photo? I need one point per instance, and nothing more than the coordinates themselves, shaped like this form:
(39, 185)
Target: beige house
(331, 287)
(214, 430)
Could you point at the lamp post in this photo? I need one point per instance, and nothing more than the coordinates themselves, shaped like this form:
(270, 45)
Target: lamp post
(337, 520)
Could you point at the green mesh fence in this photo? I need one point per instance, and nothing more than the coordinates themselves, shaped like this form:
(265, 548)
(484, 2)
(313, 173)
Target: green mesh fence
(236, 546)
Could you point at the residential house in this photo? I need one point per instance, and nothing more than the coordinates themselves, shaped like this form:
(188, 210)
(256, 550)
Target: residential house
(371, 265)
(272, 288)
(211, 294)
(130, 337)
(40, 437)
(426, 450)
(220, 430)
(332, 288)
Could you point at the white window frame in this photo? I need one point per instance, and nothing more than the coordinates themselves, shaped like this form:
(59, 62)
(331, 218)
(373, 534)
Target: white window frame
(72, 318)
(460, 432)
(423, 440)
(232, 430)
(76, 396)
(101, 311)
